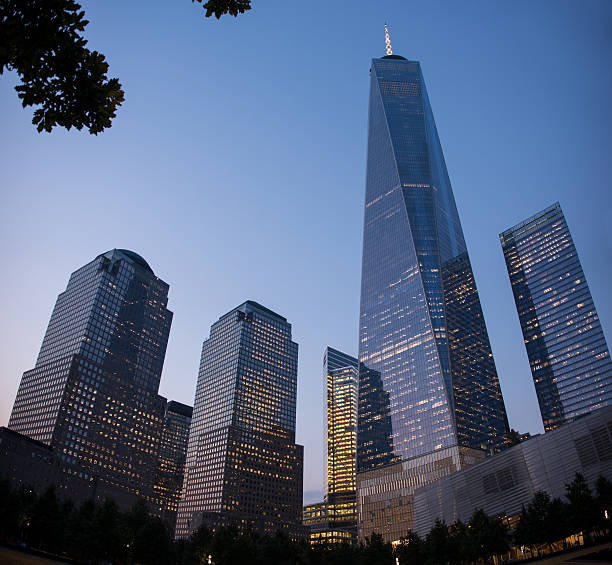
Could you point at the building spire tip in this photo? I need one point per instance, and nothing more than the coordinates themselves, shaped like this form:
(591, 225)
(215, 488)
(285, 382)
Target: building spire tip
(388, 41)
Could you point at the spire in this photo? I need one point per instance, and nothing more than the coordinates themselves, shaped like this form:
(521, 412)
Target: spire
(388, 41)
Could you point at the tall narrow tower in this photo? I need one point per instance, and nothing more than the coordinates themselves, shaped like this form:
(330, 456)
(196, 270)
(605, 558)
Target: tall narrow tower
(427, 376)
(243, 465)
(171, 459)
(569, 358)
(335, 519)
(341, 379)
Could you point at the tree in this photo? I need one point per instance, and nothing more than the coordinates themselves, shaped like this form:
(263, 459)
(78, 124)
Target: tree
(332, 554)
(604, 501)
(109, 533)
(531, 529)
(67, 82)
(459, 543)
(543, 522)
(513, 437)
(152, 545)
(583, 508)
(410, 550)
(376, 551)
(82, 530)
(48, 523)
(276, 549)
(230, 546)
(43, 43)
(437, 544)
(488, 536)
(222, 7)
(9, 512)
(201, 543)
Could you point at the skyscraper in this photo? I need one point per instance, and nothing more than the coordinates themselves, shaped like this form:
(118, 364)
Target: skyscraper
(171, 459)
(427, 376)
(243, 466)
(568, 355)
(335, 519)
(342, 380)
(338, 513)
(92, 395)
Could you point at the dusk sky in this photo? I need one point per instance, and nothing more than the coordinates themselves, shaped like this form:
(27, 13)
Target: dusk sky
(236, 168)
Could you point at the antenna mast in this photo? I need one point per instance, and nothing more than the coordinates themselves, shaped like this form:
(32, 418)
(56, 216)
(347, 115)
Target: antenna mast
(388, 41)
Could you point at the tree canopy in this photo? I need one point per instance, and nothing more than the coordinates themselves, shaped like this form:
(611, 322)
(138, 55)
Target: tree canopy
(67, 83)
(219, 8)
(101, 533)
(61, 78)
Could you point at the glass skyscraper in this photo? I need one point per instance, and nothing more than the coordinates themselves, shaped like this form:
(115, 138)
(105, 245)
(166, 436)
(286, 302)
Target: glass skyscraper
(335, 519)
(568, 355)
(243, 465)
(342, 380)
(92, 395)
(427, 376)
(171, 459)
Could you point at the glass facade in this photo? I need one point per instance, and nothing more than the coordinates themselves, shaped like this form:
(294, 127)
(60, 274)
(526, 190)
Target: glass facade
(427, 376)
(328, 524)
(243, 466)
(342, 380)
(171, 459)
(568, 355)
(92, 395)
(335, 519)
(385, 499)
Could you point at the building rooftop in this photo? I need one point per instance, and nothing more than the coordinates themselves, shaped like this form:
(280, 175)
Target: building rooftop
(132, 256)
(249, 305)
(179, 408)
(531, 222)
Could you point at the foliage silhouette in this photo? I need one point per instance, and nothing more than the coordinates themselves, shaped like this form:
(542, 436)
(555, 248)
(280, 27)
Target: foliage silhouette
(219, 8)
(60, 77)
(583, 509)
(410, 549)
(486, 536)
(43, 43)
(99, 533)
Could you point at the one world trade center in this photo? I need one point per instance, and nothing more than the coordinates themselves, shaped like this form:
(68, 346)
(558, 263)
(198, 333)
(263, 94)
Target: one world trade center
(427, 376)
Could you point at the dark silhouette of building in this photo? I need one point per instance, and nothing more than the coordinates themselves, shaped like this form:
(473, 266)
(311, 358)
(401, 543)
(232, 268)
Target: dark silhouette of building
(171, 459)
(243, 466)
(30, 464)
(569, 358)
(92, 395)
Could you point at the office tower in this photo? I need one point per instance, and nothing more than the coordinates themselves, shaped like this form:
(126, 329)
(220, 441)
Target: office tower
(92, 395)
(243, 465)
(335, 519)
(342, 380)
(429, 398)
(171, 459)
(427, 376)
(567, 350)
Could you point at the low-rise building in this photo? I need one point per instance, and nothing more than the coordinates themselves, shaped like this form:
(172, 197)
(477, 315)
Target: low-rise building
(385, 496)
(503, 483)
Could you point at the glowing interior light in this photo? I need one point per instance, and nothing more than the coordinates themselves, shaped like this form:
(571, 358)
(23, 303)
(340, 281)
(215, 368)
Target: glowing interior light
(388, 41)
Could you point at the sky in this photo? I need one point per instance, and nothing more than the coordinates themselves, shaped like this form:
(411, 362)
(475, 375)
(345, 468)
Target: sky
(236, 168)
